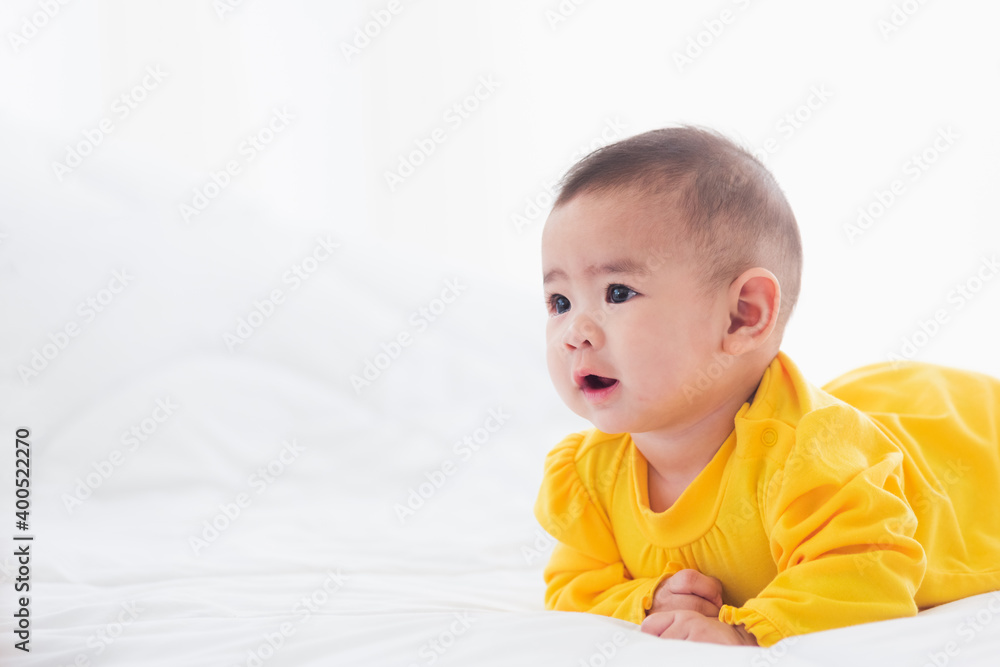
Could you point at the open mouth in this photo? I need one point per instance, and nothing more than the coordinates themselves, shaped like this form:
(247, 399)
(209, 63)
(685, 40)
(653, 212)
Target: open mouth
(595, 388)
(597, 382)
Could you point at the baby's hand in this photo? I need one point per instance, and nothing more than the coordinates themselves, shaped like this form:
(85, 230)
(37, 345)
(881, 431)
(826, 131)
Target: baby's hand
(688, 590)
(693, 626)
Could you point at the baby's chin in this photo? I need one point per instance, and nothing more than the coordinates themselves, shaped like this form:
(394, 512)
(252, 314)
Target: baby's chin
(632, 418)
(605, 421)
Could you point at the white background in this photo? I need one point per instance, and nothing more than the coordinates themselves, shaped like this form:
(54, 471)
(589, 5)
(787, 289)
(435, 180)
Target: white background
(560, 82)
(472, 212)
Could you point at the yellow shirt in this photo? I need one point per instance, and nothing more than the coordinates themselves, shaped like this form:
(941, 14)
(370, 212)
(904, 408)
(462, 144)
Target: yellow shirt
(870, 499)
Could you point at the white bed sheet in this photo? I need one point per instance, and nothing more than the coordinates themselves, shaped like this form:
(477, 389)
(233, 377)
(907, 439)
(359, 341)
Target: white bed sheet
(457, 583)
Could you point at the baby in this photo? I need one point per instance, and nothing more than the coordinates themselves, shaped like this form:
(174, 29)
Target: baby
(722, 497)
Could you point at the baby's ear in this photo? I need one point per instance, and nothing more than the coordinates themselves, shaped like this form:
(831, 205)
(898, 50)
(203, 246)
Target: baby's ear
(754, 301)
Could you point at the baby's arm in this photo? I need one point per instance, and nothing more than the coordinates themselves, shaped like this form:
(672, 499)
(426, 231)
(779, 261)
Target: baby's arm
(577, 582)
(586, 571)
(841, 533)
(580, 581)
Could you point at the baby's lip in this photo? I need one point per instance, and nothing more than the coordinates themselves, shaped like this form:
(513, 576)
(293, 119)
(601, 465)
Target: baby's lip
(586, 379)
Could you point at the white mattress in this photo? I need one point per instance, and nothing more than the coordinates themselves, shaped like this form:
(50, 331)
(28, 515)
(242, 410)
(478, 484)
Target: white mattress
(318, 563)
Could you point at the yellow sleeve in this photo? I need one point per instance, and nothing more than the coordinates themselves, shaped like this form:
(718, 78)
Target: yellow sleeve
(841, 533)
(586, 572)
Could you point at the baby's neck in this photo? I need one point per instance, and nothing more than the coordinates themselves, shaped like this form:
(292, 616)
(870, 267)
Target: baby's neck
(676, 457)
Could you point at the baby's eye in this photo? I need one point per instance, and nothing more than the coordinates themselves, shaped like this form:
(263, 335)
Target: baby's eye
(620, 293)
(558, 304)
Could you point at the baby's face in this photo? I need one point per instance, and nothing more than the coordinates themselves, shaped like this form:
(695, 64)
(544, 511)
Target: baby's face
(629, 326)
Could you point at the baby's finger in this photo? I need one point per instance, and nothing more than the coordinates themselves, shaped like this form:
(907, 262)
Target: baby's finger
(656, 623)
(695, 603)
(692, 582)
(685, 602)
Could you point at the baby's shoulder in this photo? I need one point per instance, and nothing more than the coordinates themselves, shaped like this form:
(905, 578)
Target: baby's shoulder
(589, 455)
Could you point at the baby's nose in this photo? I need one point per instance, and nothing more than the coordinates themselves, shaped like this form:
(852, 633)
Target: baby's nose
(583, 331)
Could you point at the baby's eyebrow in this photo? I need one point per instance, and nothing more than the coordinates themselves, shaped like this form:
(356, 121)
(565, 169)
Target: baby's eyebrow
(554, 274)
(624, 265)
(621, 266)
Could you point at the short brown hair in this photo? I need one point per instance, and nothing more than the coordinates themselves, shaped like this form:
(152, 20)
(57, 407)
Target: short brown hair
(735, 213)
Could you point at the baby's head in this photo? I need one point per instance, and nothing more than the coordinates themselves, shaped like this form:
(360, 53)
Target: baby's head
(671, 264)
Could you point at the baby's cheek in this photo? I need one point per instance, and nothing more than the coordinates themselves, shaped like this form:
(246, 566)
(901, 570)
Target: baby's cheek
(654, 383)
(558, 364)
(560, 372)
(649, 371)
